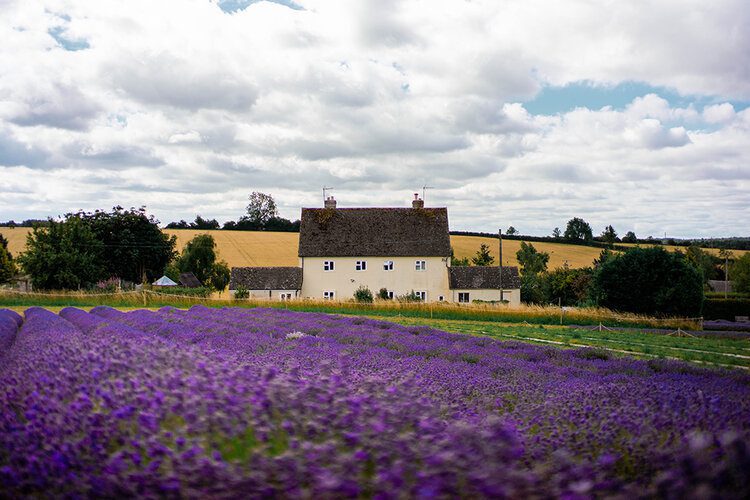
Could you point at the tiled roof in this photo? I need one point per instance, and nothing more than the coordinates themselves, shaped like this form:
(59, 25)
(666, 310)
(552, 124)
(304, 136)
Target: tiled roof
(483, 277)
(189, 280)
(374, 232)
(266, 278)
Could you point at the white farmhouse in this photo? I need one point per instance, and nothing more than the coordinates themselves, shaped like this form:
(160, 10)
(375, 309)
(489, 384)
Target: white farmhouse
(399, 250)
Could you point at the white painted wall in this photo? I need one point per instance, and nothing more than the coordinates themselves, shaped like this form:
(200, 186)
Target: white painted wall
(513, 296)
(264, 294)
(404, 277)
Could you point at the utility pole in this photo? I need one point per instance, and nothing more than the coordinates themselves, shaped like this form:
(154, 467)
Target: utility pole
(500, 255)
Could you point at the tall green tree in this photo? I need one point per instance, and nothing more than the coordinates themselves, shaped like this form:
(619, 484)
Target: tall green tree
(703, 261)
(456, 262)
(609, 235)
(483, 256)
(135, 245)
(531, 260)
(649, 281)
(578, 230)
(511, 231)
(630, 237)
(533, 264)
(199, 258)
(261, 209)
(740, 274)
(570, 286)
(7, 266)
(63, 255)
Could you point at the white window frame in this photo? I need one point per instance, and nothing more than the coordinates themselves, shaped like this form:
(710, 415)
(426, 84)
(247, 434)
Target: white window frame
(285, 296)
(328, 265)
(441, 298)
(360, 265)
(464, 295)
(422, 294)
(388, 265)
(390, 294)
(329, 295)
(420, 265)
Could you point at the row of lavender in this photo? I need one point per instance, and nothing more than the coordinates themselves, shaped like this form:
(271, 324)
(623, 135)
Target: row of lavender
(278, 403)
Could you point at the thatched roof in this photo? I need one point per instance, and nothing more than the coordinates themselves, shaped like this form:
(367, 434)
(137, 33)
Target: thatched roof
(374, 232)
(483, 277)
(266, 278)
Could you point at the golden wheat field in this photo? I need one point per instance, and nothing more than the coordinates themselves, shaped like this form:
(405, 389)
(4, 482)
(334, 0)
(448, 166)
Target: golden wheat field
(260, 248)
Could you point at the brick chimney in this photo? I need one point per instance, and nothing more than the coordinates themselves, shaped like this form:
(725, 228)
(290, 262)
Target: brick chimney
(416, 202)
(330, 202)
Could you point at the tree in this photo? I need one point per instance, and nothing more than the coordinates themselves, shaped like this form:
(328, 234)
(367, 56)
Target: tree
(578, 230)
(199, 258)
(649, 281)
(456, 262)
(261, 208)
(629, 237)
(7, 267)
(609, 235)
(511, 231)
(532, 261)
(200, 223)
(533, 264)
(483, 257)
(63, 255)
(135, 246)
(203, 224)
(556, 233)
(570, 286)
(704, 262)
(740, 274)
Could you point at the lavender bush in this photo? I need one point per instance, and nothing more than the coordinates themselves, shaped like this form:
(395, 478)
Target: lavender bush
(260, 402)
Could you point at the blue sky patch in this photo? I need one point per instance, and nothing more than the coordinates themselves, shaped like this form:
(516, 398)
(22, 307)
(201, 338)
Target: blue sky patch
(231, 6)
(58, 33)
(585, 94)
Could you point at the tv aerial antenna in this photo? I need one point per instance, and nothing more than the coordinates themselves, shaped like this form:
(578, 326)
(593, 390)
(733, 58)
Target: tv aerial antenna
(324, 192)
(424, 191)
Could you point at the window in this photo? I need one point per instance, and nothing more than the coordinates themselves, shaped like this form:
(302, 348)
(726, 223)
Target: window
(328, 265)
(361, 265)
(441, 298)
(422, 295)
(420, 265)
(329, 295)
(463, 296)
(285, 296)
(388, 265)
(389, 294)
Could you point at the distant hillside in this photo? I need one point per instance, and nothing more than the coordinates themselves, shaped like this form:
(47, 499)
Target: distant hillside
(261, 248)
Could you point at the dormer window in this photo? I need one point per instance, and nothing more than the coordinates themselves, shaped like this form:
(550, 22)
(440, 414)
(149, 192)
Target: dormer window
(328, 265)
(361, 265)
(420, 265)
(388, 265)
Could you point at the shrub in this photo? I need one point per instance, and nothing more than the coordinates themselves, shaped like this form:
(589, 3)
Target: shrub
(241, 293)
(719, 308)
(649, 281)
(383, 294)
(363, 294)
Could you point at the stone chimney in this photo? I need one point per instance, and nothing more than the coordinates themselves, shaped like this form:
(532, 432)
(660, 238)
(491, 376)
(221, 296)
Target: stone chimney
(416, 202)
(330, 202)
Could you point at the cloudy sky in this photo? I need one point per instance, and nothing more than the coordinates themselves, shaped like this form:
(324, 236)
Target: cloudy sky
(523, 113)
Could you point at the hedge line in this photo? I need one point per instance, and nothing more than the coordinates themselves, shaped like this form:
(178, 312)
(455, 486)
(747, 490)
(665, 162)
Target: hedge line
(727, 309)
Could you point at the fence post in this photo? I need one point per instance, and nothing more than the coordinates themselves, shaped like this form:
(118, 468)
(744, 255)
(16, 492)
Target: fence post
(143, 292)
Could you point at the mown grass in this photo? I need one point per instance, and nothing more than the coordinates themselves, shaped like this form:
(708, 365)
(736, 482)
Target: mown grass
(488, 313)
(704, 350)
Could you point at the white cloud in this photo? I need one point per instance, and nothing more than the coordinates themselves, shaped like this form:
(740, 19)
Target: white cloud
(377, 99)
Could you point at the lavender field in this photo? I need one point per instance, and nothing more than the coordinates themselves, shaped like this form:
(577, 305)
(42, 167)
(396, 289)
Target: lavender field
(273, 403)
